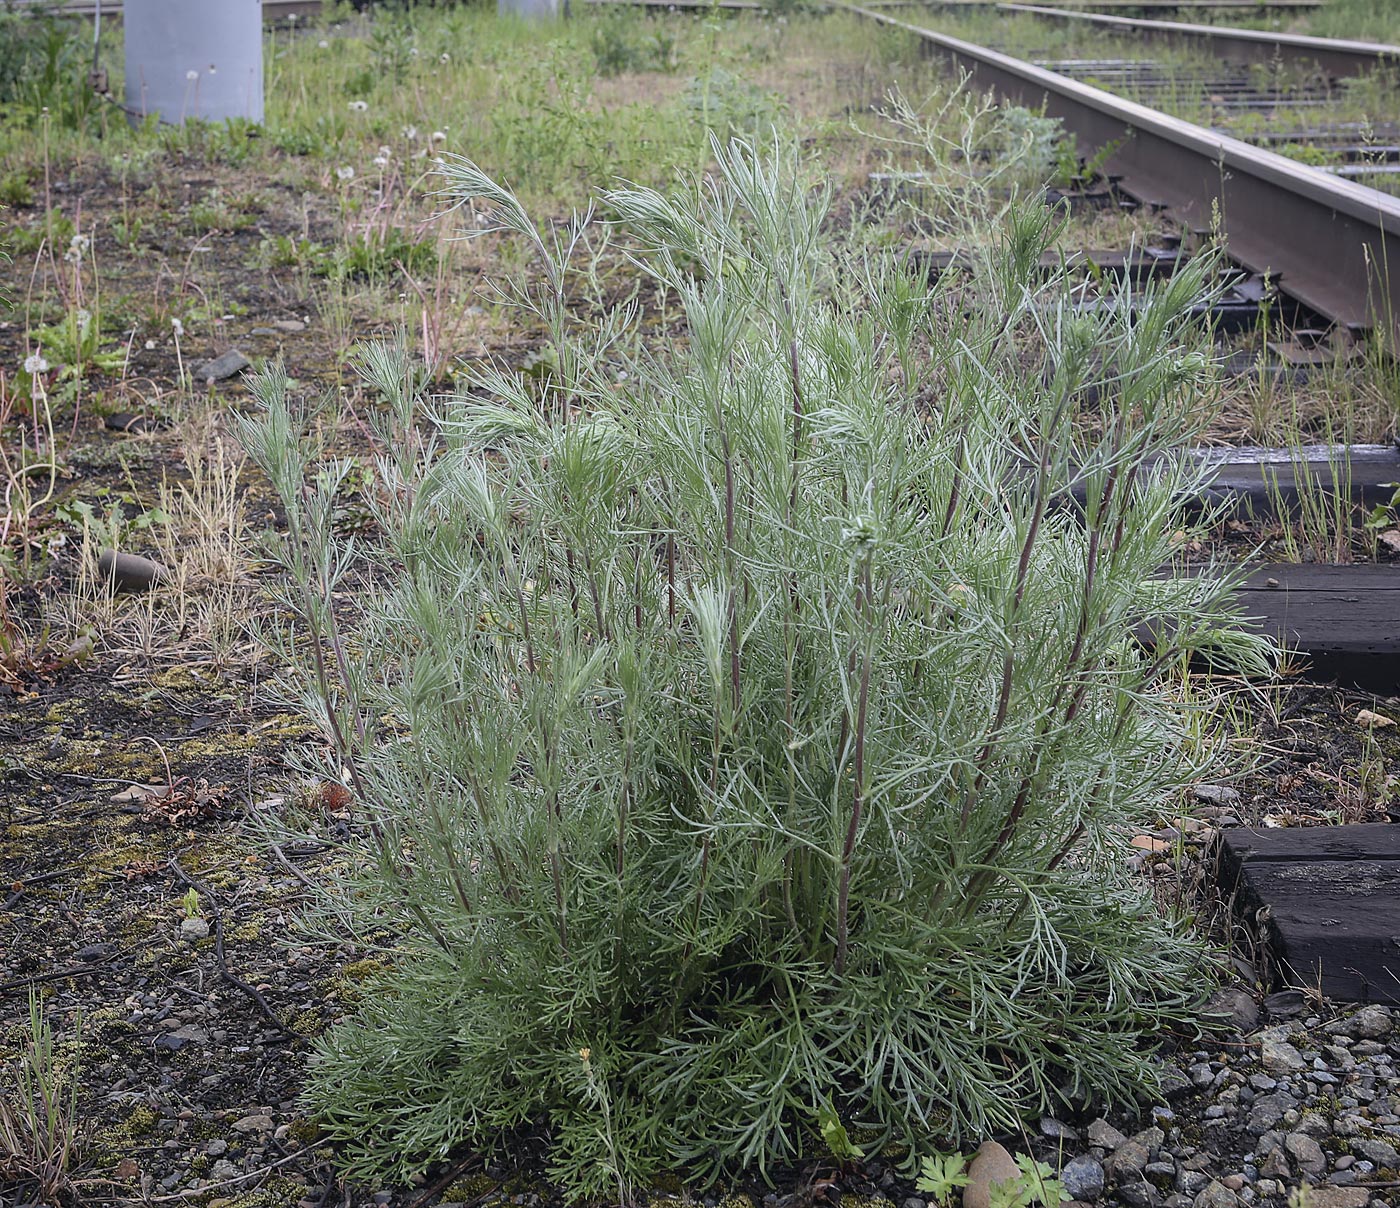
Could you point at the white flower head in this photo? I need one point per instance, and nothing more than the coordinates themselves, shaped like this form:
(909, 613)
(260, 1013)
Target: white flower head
(386, 151)
(177, 327)
(410, 133)
(439, 136)
(413, 52)
(345, 172)
(35, 363)
(76, 247)
(192, 74)
(358, 106)
(381, 161)
(150, 344)
(84, 317)
(323, 44)
(444, 57)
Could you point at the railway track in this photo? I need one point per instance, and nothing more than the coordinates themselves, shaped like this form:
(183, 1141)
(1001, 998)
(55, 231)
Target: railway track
(1331, 244)
(1335, 56)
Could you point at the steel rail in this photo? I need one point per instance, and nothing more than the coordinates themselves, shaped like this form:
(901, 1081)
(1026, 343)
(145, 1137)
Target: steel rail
(1331, 244)
(1336, 56)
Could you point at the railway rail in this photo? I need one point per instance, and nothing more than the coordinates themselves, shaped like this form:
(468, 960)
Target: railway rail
(1330, 243)
(1338, 57)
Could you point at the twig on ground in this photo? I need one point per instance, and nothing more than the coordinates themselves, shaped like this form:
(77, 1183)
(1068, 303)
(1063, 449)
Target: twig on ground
(224, 971)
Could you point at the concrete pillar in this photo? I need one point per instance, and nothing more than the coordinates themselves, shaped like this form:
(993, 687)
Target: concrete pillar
(536, 10)
(194, 59)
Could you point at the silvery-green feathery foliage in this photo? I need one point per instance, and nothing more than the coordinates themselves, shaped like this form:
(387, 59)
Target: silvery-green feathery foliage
(750, 727)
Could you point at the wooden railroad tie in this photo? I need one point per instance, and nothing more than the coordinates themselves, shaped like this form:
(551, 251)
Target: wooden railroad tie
(1326, 899)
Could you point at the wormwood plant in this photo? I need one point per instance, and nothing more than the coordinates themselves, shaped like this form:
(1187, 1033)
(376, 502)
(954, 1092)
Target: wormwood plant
(744, 743)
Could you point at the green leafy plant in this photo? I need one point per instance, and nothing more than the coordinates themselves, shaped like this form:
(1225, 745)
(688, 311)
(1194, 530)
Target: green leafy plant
(838, 1140)
(190, 903)
(751, 712)
(941, 1176)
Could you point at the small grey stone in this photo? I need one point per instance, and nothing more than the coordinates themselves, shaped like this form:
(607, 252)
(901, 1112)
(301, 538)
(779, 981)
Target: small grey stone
(1306, 1152)
(1267, 1111)
(1175, 1085)
(1286, 1004)
(1338, 1197)
(1057, 1130)
(259, 1122)
(194, 929)
(216, 1148)
(1379, 1152)
(1126, 1163)
(1083, 1178)
(913, 1201)
(1191, 1182)
(221, 367)
(1103, 1135)
(1280, 1057)
(1314, 1125)
(292, 325)
(129, 572)
(1236, 1007)
(1160, 1174)
(1150, 1138)
(1201, 1075)
(1215, 1195)
(1369, 1023)
(1138, 1194)
(1276, 1166)
(1215, 794)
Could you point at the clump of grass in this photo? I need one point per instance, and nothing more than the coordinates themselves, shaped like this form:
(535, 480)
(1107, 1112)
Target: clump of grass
(743, 734)
(38, 1116)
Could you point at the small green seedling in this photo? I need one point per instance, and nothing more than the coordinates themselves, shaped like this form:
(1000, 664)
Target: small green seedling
(191, 903)
(1036, 1185)
(941, 1175)
(843, 1149)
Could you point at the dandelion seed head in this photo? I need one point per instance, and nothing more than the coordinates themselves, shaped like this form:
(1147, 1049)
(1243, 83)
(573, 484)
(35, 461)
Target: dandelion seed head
(192, 74)
(35, 363)
(177, 327)
(381, 161)
(345, 172)
(439, 136)
(323, 44)
(358, 106)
